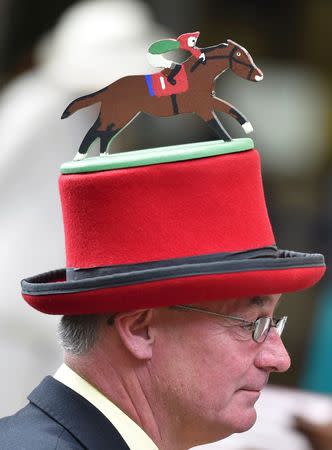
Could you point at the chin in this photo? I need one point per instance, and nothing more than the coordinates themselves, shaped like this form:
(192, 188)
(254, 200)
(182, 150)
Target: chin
(238, 423)
(245, 421)
(242, 416)
(228, 431)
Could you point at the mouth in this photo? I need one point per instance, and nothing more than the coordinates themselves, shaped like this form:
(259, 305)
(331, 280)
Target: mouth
(255, 387)
(251, 395)
(251, 391)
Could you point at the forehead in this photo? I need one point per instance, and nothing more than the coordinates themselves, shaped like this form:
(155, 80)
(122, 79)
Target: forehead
(262, 303)
(244, 52)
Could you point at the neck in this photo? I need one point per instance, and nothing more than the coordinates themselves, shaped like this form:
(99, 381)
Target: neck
(217, 62)
(133, 396)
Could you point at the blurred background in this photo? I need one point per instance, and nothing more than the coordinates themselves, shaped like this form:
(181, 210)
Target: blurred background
(53, 52)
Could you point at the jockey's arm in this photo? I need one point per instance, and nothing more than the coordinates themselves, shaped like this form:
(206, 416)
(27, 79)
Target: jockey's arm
(197, 53)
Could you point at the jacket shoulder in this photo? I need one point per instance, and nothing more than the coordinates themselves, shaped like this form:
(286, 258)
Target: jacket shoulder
(32, 429)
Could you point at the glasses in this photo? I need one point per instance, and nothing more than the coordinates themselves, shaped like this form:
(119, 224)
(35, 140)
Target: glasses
(259, 328)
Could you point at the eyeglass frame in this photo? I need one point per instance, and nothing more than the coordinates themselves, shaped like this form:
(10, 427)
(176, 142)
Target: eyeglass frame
(270, 322)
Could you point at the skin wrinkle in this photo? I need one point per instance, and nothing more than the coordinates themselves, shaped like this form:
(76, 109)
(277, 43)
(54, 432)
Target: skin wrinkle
(140, 419)
(172, 375)
(125, 396)
(167, 440)
(127, 390)
(147, 399)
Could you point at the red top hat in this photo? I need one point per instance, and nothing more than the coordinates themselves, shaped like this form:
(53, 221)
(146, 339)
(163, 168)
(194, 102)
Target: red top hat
(190, 226)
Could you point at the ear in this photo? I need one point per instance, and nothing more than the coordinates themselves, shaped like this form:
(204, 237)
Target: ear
(135, 331)
(229, 41)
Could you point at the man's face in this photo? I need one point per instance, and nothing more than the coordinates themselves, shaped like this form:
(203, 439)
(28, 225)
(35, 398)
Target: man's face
(209, 371)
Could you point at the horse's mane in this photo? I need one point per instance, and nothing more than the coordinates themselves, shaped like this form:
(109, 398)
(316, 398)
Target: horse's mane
(196, 63)
(212, 47)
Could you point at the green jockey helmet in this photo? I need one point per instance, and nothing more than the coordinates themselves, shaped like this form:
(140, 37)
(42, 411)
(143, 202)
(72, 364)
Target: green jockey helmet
(164, 46)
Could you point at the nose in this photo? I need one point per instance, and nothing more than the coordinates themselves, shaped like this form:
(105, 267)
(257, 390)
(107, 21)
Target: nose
(273, 355)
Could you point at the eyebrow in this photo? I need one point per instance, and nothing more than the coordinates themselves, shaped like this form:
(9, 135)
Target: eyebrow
(259, 301)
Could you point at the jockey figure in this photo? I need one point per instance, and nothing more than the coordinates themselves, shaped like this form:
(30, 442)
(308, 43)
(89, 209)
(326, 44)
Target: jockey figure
(186, 41)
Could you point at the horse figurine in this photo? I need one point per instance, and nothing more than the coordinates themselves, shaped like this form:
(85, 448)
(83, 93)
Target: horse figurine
(124, 99)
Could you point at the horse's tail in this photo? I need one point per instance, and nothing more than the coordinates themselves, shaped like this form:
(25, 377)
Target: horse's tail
(83, 102)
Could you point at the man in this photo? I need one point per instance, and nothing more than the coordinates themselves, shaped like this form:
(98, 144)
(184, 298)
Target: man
(168, 302)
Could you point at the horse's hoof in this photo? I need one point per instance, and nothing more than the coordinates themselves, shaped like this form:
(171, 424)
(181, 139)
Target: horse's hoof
(247, 127)
(79, 156)
(103, 154)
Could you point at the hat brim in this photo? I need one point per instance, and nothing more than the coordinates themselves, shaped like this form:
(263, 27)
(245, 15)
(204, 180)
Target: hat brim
(178, 281)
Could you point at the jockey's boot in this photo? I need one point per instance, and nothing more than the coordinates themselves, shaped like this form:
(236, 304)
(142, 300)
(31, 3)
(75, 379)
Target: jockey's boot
(171, 77)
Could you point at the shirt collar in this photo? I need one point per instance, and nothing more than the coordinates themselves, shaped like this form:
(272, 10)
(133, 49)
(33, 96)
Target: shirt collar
(134, 436)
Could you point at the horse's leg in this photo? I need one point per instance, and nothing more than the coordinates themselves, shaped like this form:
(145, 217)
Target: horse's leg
(111, 126)
(106, 136)
(221, 105)
(91, 135)
(214, 123)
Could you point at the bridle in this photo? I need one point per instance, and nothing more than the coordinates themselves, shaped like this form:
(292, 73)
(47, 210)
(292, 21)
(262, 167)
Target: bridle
(231, 56)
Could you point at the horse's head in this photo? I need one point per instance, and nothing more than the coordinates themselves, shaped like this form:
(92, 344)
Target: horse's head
(241, 62)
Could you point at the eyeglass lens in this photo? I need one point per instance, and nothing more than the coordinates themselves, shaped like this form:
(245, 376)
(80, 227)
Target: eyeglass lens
(263, 325)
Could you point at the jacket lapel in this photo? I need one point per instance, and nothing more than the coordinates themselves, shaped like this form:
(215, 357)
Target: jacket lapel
(85, 422)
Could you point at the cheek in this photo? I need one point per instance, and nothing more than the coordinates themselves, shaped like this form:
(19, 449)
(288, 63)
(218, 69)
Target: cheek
(223, 373)
(205, 368)
(197, 377)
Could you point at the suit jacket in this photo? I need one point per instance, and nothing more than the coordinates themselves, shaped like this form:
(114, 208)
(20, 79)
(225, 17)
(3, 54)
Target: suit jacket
(57, 418)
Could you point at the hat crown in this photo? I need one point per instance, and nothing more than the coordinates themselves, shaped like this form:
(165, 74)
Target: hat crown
(165, 211)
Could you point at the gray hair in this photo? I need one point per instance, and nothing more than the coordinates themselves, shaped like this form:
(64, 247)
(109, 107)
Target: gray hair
(78, 334)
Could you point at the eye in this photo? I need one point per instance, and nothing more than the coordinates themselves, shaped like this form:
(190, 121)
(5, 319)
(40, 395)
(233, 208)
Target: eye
(244, 331)
(238, 53)
(248, 326)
